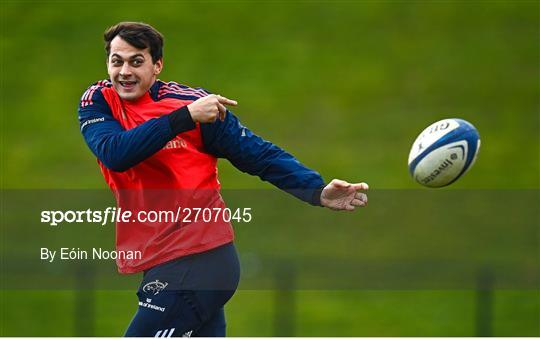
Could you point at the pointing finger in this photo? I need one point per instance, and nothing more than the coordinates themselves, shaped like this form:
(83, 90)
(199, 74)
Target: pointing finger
(226, 101)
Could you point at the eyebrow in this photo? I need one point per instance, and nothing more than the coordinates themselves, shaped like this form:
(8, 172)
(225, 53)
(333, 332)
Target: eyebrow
(132, 57)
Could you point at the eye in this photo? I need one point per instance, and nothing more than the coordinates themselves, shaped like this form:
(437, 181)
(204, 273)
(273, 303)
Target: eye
(116, 62)
(137, 62)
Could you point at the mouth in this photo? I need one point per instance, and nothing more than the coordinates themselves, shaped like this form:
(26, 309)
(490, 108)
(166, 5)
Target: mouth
(127, 84)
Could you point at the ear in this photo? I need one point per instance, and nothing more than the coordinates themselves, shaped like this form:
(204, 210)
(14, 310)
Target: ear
(158, 66)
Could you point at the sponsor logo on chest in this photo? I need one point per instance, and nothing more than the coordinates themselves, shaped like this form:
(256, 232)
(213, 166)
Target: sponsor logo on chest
(176, 144)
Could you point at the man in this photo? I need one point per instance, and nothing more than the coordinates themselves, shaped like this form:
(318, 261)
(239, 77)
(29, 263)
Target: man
(157, 144)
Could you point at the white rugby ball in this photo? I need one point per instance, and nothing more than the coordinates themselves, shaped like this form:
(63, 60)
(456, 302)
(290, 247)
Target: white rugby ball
(443, 152)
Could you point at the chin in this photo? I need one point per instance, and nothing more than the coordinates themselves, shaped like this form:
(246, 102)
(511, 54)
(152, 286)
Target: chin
(129, 96)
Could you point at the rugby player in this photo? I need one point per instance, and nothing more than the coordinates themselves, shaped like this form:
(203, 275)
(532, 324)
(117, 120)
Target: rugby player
(157, 144)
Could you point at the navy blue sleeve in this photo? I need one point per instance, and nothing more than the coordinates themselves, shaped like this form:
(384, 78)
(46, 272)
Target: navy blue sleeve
(119, 149)
(252, 154)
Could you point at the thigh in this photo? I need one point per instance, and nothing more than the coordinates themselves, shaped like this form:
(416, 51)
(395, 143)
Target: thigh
(181, 296)
(179, 313)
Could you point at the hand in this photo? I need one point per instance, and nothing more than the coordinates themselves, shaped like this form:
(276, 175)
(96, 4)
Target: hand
(209, 108)
(341, 195)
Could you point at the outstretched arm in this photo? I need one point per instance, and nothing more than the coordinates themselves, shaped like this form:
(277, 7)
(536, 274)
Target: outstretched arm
(228, 138)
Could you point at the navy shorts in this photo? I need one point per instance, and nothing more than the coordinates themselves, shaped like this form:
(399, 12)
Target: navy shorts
(185, 297)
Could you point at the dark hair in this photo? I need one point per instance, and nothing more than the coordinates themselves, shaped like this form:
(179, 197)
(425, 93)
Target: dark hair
(137, 34)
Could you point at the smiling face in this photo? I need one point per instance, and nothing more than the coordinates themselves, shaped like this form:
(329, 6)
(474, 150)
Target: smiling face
(131, 69)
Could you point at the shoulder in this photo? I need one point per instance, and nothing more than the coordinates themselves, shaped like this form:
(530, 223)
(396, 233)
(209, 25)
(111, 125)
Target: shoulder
(175, 90)
(95, 93)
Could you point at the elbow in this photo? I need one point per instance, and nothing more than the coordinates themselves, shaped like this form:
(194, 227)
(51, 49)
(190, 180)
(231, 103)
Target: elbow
(113, 159)
(115, 165)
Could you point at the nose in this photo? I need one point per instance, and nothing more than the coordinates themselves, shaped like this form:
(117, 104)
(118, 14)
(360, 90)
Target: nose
(125, 71)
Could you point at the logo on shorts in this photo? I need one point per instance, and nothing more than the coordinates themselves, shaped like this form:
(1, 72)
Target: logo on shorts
(164, 333)
(154, 287)
(151, 306)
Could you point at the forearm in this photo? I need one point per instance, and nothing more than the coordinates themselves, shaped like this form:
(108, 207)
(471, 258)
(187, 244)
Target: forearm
(280, 168)
(120, 149)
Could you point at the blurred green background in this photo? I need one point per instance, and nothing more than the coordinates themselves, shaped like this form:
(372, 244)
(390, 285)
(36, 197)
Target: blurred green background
(345, 86)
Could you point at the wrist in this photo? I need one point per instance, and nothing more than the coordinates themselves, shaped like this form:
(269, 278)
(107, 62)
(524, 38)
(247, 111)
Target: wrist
(181, 120)
(316, 198)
